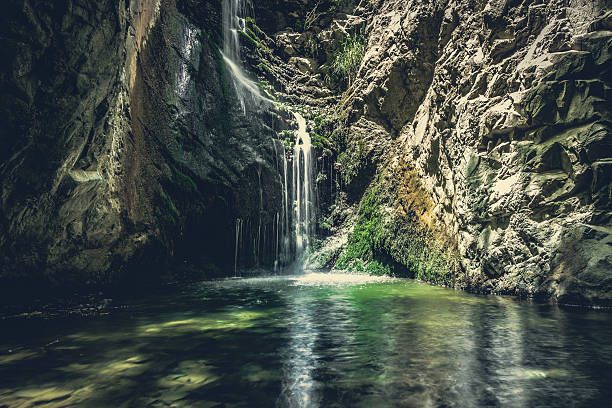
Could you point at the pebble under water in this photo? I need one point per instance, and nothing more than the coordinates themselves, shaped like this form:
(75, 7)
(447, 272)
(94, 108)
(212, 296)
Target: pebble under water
(317, 339)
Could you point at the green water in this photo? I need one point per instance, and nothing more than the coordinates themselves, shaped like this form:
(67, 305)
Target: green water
(307, 341)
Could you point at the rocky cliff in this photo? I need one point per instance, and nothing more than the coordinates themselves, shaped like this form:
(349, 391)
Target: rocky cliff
(474, 146)
(462, 142)
(125, 153)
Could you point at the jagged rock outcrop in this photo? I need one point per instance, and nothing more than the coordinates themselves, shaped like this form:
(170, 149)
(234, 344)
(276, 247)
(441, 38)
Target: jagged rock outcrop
(505, 141)
(499, 114)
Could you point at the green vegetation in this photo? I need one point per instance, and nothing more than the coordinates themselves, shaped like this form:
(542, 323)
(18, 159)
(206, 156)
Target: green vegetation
(319, 141)
(168, 213)
(281, 107)
(352, 154)
(414, 248)
(254, 27)
(322, 124)
(255, 36)
(250, 35)
(365, 242)
(268, 90)
(264, 67)
(183, 181)
(395, 237)
(347, 59)
(288, 138)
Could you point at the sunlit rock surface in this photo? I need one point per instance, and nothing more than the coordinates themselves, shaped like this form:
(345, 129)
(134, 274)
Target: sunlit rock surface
(484, 124)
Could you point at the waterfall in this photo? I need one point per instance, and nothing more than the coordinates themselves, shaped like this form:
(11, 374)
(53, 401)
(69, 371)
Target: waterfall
(234, 17)
(234, 12)
(286, 241)
(303, 186)
(289, 235)
(237, 244)
(294, 224)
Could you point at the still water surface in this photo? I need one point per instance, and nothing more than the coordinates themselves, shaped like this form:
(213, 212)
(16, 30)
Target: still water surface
(311, 340)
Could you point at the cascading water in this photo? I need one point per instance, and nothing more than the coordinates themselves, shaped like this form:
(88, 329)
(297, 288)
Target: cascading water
(239, 224)
(290, 234)
(303, 186)
(234, 17)
(291, 230)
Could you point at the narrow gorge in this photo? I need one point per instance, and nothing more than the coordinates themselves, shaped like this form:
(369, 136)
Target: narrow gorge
(463, 143)
(310, 176)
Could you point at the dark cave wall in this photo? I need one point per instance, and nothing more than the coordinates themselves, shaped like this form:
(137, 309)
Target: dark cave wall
(59, 79)
(110, 172)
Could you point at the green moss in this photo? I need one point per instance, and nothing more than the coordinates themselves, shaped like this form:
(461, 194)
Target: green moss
(319, 141)
(250, 35)
(184, 181)
(326, 132)
(254, 27)
(288, 137)
(393, 240)
(281, 107)
(351, 160)
(267, 89)
(170, 216)
(263, 66)
(362, 253)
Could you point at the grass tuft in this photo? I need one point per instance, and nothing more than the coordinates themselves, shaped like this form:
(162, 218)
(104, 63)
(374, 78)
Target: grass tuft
(347, 59)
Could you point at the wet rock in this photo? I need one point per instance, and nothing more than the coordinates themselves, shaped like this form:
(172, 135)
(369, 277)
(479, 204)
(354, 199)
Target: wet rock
(124, 145)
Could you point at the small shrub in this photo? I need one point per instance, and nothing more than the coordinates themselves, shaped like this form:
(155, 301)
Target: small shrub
(347, 59)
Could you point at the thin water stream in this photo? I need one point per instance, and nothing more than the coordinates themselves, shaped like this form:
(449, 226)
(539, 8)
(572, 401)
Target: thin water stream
(303, 186)
(311, 340)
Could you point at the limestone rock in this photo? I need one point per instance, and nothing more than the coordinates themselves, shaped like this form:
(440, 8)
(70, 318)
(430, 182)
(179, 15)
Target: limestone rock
(503, 110)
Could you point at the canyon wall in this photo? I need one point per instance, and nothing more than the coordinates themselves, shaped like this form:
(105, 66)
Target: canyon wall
(125, 153)
(462, 142)
(476, 149)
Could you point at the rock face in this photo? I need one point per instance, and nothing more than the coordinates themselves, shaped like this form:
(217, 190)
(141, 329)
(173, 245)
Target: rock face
(483, 131)
(463, 142)
(512, 140)
(124, 152)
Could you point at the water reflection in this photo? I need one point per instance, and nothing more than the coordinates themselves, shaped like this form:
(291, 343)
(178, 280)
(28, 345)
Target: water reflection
(311, 340)
(299, 356)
